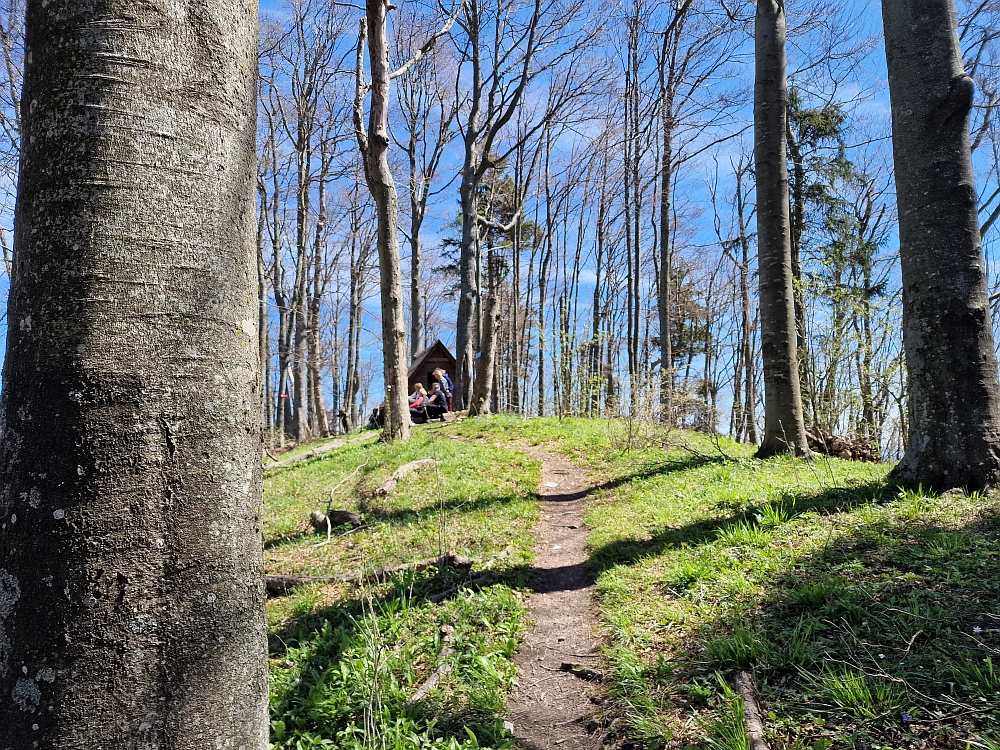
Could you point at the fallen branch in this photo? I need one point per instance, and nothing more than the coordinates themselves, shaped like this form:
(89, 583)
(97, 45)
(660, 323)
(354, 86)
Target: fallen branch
(443, 669)
(319, 451)
(753, 720)
(322, 523)
(475, 582)
(277, 585)
(584, 673)
(390, 484)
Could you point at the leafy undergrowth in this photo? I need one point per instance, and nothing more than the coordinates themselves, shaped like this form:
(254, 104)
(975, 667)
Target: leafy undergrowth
(347, 662)
(868, 616)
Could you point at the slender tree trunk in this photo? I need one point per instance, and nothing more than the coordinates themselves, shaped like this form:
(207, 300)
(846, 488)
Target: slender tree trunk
(319, 415)
(263, 324)
(783, 426)
(954, 396)
(301, 296)
(484, 364)
(131, 596)
(797, 224)
(375, 150)
(465, 337)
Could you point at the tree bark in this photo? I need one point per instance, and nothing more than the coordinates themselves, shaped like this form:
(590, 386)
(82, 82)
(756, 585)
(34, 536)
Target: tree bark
(375, 151)
(954, 399)
(784, 430)
(131, 587)
(487, 355)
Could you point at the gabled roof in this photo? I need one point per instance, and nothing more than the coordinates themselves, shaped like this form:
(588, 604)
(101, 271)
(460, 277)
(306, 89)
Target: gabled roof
(422, 357)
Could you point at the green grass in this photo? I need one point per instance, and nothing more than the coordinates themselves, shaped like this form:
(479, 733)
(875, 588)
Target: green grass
(852, 603)
(347, 662)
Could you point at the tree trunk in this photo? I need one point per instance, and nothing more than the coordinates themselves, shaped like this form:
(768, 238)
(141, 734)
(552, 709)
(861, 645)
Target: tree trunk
(484, 363)
(783, 426)
(954, 396)
(465, 331)
(131, 588)
(375, 151)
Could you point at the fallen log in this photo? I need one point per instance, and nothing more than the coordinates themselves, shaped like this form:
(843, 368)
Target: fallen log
(448, 633)
(753, 719)
(278, 585)
(318, 451)
(322, 522)
(390, 484)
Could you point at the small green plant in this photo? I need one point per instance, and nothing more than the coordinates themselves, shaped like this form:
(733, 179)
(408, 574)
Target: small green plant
(687, 573)
(913, 504)
(985, 743)
(799, 650)
(736, 651)
(816, 593)
(866, 697)
(947, 544)
(976, 676)
(726, 731)
(742, 534)
(771, 515)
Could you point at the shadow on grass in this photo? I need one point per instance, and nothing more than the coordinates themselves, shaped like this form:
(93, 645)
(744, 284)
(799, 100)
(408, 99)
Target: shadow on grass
(373, 511)
(335, 653)
(631, 551)
(894, 616)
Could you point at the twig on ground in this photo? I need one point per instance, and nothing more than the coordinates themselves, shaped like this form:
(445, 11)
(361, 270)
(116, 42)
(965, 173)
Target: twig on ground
(753, 721)
(344, 481)
(443, 669)
(442, 595)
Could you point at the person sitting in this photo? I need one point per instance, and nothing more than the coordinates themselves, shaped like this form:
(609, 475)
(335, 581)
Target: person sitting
(437, 403)
(418, 404)
(446, 385)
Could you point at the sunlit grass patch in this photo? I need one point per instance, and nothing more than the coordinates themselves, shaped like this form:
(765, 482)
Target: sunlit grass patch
(347, 663)
(868, 615)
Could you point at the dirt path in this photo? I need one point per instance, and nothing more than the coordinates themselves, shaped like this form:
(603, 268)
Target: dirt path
(553, 708)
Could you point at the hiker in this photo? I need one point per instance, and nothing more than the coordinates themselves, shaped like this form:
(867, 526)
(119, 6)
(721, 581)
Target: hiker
(437, 402)
(446, 385)
(418, 404)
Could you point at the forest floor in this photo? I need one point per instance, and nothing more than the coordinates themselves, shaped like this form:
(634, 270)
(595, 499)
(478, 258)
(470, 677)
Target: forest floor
(867, 616)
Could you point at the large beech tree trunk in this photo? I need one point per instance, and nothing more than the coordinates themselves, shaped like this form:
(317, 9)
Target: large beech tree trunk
(783, 426)
(954, 412)
(131, 587)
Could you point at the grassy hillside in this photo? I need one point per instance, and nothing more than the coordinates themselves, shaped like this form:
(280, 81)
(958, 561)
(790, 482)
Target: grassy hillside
(868, 617)
(345, 659)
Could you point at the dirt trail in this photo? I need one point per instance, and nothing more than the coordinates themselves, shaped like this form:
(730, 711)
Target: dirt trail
(553, 708)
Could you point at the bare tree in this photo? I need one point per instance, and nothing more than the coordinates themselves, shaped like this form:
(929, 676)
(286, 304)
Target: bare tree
(373, 143)
(506, 49)
(428, 112)
(783, 425)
